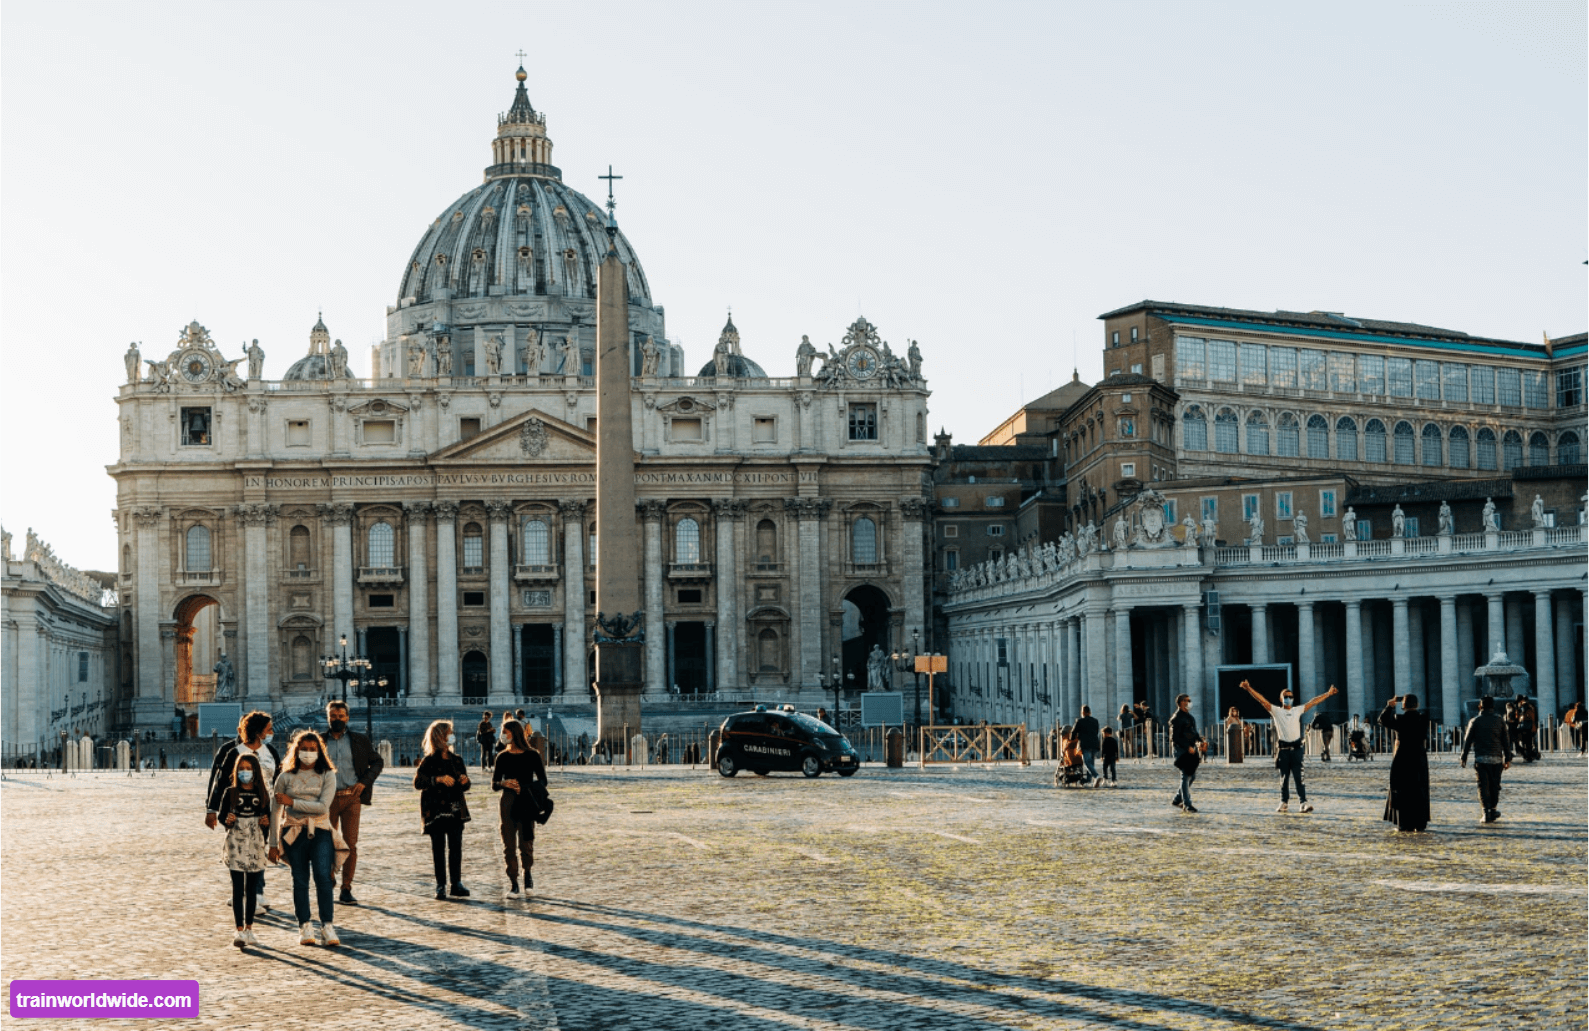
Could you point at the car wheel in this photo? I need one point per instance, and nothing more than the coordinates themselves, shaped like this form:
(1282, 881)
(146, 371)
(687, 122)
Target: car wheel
(852, 771)
(811, 766)
(726, 765)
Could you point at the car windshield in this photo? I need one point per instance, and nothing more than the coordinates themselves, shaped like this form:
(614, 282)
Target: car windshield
(811, 724)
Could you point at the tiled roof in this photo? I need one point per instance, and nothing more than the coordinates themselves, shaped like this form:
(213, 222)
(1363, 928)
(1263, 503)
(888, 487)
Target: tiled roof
(1431, 490)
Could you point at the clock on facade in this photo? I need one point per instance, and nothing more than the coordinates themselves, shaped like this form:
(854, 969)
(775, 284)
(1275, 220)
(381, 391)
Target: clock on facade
(862, 362)
(196, 366)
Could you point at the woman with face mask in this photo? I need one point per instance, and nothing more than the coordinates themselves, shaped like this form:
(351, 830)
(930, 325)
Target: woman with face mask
(441, 780)
(246, 809)
(300, 828)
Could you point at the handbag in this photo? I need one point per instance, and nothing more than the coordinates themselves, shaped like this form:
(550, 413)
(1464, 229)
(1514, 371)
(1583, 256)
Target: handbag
(1188, 761)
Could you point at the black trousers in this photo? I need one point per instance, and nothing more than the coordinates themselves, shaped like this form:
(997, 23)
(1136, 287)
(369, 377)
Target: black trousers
(245, 893)
(1489, 775)
(446, 853)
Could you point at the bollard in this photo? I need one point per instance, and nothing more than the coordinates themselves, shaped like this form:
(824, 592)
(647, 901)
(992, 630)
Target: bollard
(123, 756)
(385, 748)
(86, 752)
(1034, 746)
(637, 747)
(895, 748)
(713, 741)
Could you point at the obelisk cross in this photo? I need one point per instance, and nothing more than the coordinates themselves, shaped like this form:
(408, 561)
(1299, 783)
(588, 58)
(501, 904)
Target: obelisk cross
(612, 224)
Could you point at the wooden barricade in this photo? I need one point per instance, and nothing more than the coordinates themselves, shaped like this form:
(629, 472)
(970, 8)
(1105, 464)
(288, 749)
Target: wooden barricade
(986, 743)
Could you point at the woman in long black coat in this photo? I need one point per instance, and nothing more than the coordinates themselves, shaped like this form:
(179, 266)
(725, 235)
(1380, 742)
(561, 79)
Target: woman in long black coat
(1407, 805)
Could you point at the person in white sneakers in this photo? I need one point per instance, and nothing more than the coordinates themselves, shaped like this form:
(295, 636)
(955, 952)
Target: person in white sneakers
(300, 828)
(1288, 742)
(245, 809)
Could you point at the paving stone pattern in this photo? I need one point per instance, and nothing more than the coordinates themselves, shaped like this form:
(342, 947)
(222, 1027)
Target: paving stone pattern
(952, 898)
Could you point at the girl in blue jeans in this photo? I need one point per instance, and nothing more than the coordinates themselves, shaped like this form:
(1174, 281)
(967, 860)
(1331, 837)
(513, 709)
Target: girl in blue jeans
(300, 828)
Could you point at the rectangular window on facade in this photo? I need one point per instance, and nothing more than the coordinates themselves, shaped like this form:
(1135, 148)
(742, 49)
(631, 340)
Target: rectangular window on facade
(951, 560)
(1398, 376)
(994, 502)
(1133, 334)
(1249, 505)
(298, 433)
(1509, 387)
(689, 596)
(1365, 529)
(951, 530)
(1370, 374)
(1454, 381)
(1283, 504)
(1328, 538)
(1285, 541)
(765, 431)
(689, 430)
(1136, 368)
(1427, 376)
(1169, 512)
(474, 599)
(1312, 369)
(1211, 509)
(590, 425)
(1343, 372)
(380, 431)
(1326, 504)
(383, 601)
(1411, 526)
(1114, 338)
(82, 667)
(996, 530)
(950, 502)
(1128, 469)
(1569, 387)
(1004, 650)
(1254, 365)
(1283, 367)
(473, 551)
(1534, 392)
(863, 422)
(1191, 359)
(1481, 384)
(195, 427)
(468, 428)
(1222, 361)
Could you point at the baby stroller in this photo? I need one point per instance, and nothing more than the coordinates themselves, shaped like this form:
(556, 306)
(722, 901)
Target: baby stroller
(1071, 775)
(1358, 740)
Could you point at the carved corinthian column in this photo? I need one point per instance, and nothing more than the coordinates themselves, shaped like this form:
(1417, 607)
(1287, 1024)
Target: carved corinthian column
(448, 691)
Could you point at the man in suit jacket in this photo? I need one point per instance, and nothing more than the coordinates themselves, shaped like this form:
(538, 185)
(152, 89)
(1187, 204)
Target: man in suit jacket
(1489, 740)
(357, 764)
(1087, 733)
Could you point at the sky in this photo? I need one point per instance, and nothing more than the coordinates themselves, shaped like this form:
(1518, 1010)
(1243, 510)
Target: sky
(984, 179)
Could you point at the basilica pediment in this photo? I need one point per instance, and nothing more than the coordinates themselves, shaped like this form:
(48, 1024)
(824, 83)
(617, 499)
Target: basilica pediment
(533, 436)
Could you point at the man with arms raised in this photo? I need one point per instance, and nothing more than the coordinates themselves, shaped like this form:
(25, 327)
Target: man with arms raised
(1288, 737)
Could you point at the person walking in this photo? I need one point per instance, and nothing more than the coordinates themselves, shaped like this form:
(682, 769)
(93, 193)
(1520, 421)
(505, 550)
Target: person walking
(441, 780)
(1325, 725)
(1287, 720)
(300, 828)
(245, 810)
(1111, 756)
(521, 778)
(1407, 802)
(1528, 727)
(357, 764)
(1487, 739)
(486, 735)
(254, 736)
(1576, 718)
(1127, 718)
(1235, 737)
(1086, 734)
(1187, 744)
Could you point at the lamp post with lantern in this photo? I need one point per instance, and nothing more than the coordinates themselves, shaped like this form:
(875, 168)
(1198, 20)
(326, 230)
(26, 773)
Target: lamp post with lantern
(352, 672)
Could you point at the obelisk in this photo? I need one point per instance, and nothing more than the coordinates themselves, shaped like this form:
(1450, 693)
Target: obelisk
(619, 635)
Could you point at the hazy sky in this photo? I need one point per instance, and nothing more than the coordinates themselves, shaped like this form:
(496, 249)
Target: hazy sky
(986, 179)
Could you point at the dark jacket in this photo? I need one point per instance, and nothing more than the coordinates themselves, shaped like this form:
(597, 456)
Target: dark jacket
(1086, 731)
(1487, 735)
(221, 772)
(530, 771)
(438, 801)
(367, 762)
(1183, 732)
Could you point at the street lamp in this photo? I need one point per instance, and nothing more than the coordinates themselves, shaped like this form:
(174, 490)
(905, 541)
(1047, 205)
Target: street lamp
(349, 672)
(907, 664)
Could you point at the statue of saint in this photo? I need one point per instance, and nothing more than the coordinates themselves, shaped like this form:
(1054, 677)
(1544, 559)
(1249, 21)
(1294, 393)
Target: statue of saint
(443, 354)
(339, 361)
(256, 362)
(134, 362)
(1398, 522)
(1120, 532)
(1210, 531)
(493, 351)
(1189, 539)
(566, 349)
(914, 357)
(650, 357)
(1445, 520)
(225, 679)
(416, 359)
(1299, 527)
(1537, 510)
(877, 670)
(1491, 524)
(1255, 528)
(1349, 525)
(803, 356)
(534, 353)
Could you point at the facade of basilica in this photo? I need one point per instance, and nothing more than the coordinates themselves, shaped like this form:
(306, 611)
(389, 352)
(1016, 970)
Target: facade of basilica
(439, 516)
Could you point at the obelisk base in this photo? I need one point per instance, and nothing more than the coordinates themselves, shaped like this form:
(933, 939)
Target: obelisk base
(618, 691)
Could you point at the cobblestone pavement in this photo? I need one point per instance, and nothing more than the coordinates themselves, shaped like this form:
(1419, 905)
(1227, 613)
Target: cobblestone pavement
(940, 899)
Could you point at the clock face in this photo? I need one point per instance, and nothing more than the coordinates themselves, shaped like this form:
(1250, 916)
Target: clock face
(862, 363)
(196, 366)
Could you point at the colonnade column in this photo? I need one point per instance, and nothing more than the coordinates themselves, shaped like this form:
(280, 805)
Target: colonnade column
(421, 682)
(1356, 689)
(148, 697)
(1123, 683)
(502, 691)
(1467, 683)
(1073, 667)
(448, 689)
(1544, 657)
(1399, 644)
(808, 513)
(1495, 627)
(711, 659)
(1095, 689)
(1567, 682)
(725, 581)
(1192, 659)
(575, 681)
(1515, 648)
(658, 675)
(339, 516)
(1417, 671)
(557, 657)
(1305, 649)
(672, 675)
(1450, 677)
(1260, 634)
(256, 603)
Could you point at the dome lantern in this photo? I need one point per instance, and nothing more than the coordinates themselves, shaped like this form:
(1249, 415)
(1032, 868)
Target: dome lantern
(521, 146)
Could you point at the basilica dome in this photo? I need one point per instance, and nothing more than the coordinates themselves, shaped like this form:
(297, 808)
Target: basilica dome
(523, 233)
(728, 360)
(318, 363)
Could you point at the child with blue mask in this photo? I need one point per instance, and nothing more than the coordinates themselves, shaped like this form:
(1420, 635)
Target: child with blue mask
(245, 809)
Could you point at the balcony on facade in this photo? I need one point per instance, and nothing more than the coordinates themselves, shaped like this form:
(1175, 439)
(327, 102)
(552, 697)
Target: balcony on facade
(529, 573)
(767, 568)
(865, 569)
(199, 578)
(380, 574)
(301, 574)
(690, 571)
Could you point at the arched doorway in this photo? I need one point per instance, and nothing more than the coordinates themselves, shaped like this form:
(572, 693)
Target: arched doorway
(198, 652)
(865, 624)
(476, 678)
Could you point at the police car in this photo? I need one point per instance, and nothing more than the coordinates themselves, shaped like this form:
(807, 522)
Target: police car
(783, 739)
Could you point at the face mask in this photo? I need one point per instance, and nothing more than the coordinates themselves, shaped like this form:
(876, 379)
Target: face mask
(269, 738)
(338, 726)
(245, 776)
(308, 758)
(1285, 700)
(452, 739)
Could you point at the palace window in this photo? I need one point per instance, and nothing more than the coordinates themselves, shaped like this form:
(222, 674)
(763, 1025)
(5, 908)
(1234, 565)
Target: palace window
(1128, 470)
(1318, 437)
(1486, 449)
(1568, 449)
(1288, 436)
(1326, 504)
(1191, 358)
(1249, 505)
(996, 530)
(1511, 450)
(1283, 367)
(195, 427)
(863, 542)
(1427, 375)
(473, 547)
(198, 549)
(1569, 387)
(1312, 371)
(994, 501)
(863, 422)
(381, 545)
(1254, 365)
(536, 546)
(1210, 508)
(1225, 432)
(1534, 393)
(1432, 453)
(1481, 384)
(1509, 387)
(1410, 526)
(1538, 449)
(1371, 373)
(951, 530)
(951, 559)
(1454, 381)
(1459, 447)
(1374, 441)
(1404, 444)
(687, 542)
(1222, 361)
(1194, 429)
(1346, 439)
(1398, 373)
(1343, 372)
(1283, 504)
(1257, 434)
